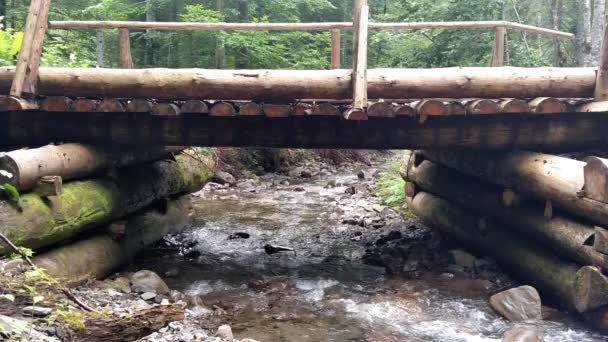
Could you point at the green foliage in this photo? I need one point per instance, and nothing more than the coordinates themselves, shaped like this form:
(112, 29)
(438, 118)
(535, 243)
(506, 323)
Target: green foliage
(390, 188)
(12, 194)
(10, 43)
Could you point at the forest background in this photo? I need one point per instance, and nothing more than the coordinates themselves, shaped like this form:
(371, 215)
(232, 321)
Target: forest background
(311, 50)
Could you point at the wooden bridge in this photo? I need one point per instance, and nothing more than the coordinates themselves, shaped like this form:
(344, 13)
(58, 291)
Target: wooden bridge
(492, 107)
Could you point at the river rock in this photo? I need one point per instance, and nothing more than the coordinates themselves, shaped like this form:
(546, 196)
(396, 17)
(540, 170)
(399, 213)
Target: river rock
(122, 284)
(222, 177)
(361, 174)
(462, 258)
(37, 311)
(225, 333)
(148, 295)
(518, 304)
(148, 281)
(520, 333)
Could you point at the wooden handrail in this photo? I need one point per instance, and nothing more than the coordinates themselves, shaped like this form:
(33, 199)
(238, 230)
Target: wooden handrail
(322, 26)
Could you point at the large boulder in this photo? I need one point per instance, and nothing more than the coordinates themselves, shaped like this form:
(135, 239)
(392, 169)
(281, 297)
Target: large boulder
(222, 177)
(520, 333)
(148, 281)
(518, 304)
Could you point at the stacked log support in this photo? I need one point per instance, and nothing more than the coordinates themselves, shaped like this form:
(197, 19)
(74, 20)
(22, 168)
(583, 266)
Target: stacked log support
(105, 253)
(82, 205)
(529, 211)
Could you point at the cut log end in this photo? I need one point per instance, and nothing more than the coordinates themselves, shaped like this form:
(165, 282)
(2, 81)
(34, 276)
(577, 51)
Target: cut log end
(546, 105)
(140, 106)
(276, 111)
(250, 109)
(166, 109)
(483, 106)
(301, 109)
(49, 186)
(195, 106)
(324, 109)
(596, 179)
(84, 105)
(111, 106)
(600, 240)
(590, 289)
(222, 109)
(355, 114)
(513, 106)
(11, 103)
(429, 107)
(405, 110)
(381, 109)
(56, 104)
(456, 108)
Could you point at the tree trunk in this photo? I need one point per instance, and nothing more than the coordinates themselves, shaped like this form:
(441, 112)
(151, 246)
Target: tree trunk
(105, 254)
(289, 85)
(126, 329)
(598, 21)
(561, 233)
(150, 17)
(220, 48)
(70, 161)
(99, 48)
(242, 53)
(566, 283)
(86, 204)
(556, 19)
(541, 176)
(583, 33)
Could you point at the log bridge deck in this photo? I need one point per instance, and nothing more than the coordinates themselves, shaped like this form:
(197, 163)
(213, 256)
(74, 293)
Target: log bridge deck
(491, 107)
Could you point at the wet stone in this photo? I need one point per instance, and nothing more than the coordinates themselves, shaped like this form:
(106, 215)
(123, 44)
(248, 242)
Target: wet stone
(148, 281)
(462, 258)
(225, 333)
(518, 304)
(521, 333)
(148, 295)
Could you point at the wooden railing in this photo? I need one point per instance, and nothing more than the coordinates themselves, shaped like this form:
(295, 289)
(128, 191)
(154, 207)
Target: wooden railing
(335, 28)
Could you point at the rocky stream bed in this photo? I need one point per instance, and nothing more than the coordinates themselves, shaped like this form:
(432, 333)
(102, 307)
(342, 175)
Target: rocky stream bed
(360, 271)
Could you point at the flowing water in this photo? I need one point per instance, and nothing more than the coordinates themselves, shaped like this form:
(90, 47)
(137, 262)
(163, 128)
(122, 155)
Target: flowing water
(323, 292)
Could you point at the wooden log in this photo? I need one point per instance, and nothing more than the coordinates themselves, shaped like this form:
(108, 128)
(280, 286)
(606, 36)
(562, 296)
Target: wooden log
(566, 283)
(85, 105)
(30, 85)
(166, 109)
(105, 254)
(96, 202)
(596, 179)
(71, 161)
(564, 235)
(195, 106)
(592, 107)
(600, 241)
(56, 104)
(601, 85)
(380, 109)
(48, 186)
(546, 105)
(578, 132)
(322, 26)
(405, 110)
(455, 108)
(11, 103)
(111, 106)
(359, 77)
(482, 107)
(301, 109)
(250, 108)
(335, 49)
(123, 329)
(498, 49)
(25, 53)
(126, 61)
(541, 176)
(222, 109)
(140, 106)
(276, 110)
(429, 107)
(324, 109)
(513, 106)
(289, 85)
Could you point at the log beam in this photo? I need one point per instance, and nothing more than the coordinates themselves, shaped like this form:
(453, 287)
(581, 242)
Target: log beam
(498, 50)
(126, 61)
(335, 49)
(359, 75)
(283, 86)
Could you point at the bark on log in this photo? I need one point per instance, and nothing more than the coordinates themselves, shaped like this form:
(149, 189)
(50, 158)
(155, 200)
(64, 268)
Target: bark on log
(126, 329)
(541, 176)
(290, 85)
(567, 283)
(104, 254)
(71, 161)
(85, 204)
(561, 234)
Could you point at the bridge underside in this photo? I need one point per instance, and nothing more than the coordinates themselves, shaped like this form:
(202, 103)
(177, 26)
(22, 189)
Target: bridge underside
(548, 132)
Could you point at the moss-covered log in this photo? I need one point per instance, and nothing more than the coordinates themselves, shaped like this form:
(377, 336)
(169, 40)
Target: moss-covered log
(86, 204)
(70, 161)
(104, 254)
(542, 176)
(567, 283)
(562, 234)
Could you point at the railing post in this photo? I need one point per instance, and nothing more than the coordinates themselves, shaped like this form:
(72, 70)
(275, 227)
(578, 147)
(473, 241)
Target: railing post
(359, 74)
(498, 50)
(126, 61)
(26, 72)
(601, 85)
(335, 49)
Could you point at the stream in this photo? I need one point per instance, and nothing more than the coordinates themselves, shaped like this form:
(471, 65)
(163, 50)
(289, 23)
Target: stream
(323, 291)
